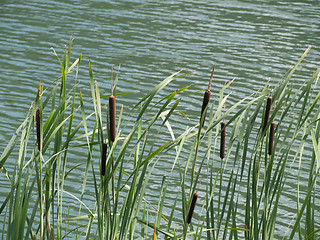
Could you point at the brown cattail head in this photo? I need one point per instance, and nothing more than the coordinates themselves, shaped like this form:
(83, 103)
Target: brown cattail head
(267, 113)
(271, 137)
(193, 204)
(38, 118)
(223, 139)
(103, 159)
(206, 99)
(38, 128)
(112, 115)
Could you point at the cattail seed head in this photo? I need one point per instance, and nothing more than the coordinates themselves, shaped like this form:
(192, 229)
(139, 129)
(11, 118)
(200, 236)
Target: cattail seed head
(192, 206)
(223, 139)
(103, 159)
(39, 93)
(271, 137)
(206, 99)
(267, 113)
(112, 115)
(38, 128)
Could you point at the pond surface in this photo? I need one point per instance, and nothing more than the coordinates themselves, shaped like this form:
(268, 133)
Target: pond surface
(251, 41)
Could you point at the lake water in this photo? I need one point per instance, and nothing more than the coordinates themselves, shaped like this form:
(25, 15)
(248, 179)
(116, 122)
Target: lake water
(251, 41)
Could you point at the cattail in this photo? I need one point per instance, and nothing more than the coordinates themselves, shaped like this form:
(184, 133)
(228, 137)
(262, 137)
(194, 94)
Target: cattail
(112, 112)
(103, 159)
(38, 128)
(38, 118)
(267, 113)
(271, 137)
(193, 204)
(206, 99)
(112, 115)
(223, 139)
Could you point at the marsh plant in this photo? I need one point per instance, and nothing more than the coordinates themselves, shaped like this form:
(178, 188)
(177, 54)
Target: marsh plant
(230, 181)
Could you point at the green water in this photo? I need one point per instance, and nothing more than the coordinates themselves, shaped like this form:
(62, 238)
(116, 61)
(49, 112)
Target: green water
(251, 41)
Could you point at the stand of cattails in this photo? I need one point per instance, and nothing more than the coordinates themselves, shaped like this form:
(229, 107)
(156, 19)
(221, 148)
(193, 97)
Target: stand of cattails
(206, 99)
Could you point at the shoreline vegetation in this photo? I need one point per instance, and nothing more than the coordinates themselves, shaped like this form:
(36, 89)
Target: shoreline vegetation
(253, 143)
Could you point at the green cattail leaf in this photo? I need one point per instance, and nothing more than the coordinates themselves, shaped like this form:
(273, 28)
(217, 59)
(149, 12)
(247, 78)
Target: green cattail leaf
(169, 95)
(316, 148)
(119, 94)
(7, 151)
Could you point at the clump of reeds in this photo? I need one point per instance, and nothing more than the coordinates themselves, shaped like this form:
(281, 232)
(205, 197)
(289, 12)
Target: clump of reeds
(206, 99)
(271, 137)
(192, 206)
(267, 113)
(261, 204)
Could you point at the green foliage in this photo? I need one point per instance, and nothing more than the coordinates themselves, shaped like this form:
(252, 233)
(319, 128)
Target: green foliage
(239, 195)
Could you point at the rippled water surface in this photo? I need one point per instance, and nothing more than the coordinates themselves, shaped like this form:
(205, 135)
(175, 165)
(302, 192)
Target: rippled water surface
(251, 41)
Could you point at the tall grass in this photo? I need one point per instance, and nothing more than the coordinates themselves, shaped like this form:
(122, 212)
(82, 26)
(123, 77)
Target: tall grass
(236, 194)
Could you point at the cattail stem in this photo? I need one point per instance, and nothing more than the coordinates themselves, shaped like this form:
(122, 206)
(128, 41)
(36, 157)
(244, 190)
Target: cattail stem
(112, 115)
(271, 137)
(223, 139)
(267, 113)
(103, 159)
(193, 204)
(210, 81)
(111, 80)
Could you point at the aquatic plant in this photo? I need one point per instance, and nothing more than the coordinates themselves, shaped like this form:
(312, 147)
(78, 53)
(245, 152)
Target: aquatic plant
(240, 193)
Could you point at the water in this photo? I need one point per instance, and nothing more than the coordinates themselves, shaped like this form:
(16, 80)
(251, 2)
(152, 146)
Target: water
(252, 42)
